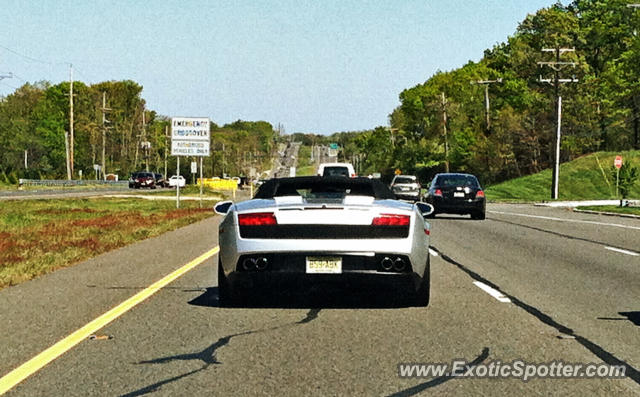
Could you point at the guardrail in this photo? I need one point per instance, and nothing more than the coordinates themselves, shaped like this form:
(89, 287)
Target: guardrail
(73, 182)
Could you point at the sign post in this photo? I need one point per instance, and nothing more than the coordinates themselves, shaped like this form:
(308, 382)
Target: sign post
(201, 181)
(618, 164)
(190, 136)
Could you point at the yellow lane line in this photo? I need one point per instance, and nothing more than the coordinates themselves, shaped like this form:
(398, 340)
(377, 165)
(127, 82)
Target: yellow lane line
(27, 369)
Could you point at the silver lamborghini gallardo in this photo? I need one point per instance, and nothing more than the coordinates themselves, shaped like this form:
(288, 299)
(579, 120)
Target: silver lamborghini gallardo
(323, 229)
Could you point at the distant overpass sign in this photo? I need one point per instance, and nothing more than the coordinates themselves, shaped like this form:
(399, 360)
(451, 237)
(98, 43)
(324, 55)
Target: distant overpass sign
(190, 136)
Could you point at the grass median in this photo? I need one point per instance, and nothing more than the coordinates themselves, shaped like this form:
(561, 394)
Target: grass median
(613, 209)
(40, 236)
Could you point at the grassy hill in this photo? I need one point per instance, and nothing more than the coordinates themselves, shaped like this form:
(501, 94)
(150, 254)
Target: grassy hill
(586, 178)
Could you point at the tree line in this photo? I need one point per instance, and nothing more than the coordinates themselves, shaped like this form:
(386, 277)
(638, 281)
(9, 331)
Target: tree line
(34, 123)
(443, 122)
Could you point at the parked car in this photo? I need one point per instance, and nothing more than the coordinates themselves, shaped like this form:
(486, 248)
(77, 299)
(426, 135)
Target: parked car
(323, 229)
(132, 180)
(144, 179)
(336, 169)
(453, 193)
(406, 187)
(160, 181)
(177, 180)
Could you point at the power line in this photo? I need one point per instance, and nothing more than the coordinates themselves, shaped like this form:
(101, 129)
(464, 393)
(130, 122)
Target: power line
(31, 58)
(557, 66)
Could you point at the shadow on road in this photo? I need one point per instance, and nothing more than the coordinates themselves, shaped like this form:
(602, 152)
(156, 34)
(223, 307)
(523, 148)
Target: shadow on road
(318, 297)
(412, 391)
(634, 317)
(607, 357)
(207, 356)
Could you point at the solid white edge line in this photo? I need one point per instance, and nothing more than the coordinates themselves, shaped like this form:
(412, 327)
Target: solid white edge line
(491, 291)
(622, 251)
(432, 252)
(550, 218)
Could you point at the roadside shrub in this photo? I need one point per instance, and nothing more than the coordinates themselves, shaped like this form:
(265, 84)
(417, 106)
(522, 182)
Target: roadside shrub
(628, 175)
(12, 179)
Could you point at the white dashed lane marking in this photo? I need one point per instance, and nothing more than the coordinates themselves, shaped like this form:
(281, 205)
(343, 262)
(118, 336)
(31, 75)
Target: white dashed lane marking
(622, 251)
(493, 292)
(550, 218)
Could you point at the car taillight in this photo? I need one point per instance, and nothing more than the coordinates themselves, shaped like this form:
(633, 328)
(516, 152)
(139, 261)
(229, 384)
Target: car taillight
(479, 194)
(257, 219)
(354, 175)
(438, 193)
(391, 220)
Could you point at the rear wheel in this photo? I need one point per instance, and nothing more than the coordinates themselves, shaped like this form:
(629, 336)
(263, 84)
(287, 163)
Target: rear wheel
(424, 290)
(224, 293)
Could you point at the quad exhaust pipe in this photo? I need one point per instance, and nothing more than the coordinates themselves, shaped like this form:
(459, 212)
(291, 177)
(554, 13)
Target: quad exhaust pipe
(386, 263)
(393, 264)
(259, 263)
(262, 263)
(249, 264)
(398, 264)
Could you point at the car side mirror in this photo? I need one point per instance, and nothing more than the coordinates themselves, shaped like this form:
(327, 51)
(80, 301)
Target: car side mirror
(222, 207)
(424, 208)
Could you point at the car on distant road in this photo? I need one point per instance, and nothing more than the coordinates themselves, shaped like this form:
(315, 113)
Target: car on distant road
(317, 230)
(177, 180)
(132, 180)
(143, 179)
(456, 193)
(336, 169)
(160, 181)
(406, 187)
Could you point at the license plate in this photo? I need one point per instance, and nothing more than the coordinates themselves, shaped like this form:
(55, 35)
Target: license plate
(324, 264)
(458, 194)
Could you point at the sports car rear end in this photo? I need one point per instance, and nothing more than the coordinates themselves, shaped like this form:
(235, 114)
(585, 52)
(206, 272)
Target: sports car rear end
(319, 230)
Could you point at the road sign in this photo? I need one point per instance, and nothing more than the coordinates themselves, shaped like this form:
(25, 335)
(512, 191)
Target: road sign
(398, 172)
(190, 136)
(618, 162)
(194, 167)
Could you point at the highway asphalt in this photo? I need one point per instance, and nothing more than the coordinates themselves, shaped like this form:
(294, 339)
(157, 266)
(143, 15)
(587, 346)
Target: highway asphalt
(570, 285)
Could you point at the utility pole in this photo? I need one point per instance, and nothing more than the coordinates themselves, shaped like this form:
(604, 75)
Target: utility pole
(487, 113)
(444, 129)
(166, 135)
(145, 144)
(71, 118)
(557, 66)
(104, 110)
(636, 141)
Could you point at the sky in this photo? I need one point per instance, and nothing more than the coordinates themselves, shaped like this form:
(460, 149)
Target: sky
(313, 66)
